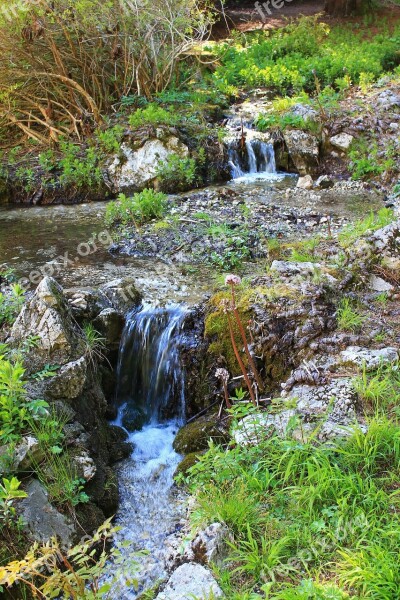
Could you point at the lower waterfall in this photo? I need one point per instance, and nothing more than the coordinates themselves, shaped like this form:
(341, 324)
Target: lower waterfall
(150, 396)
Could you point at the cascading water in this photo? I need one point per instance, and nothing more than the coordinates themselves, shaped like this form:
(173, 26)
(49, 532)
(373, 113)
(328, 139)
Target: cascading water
(150, 396)
(256, 157)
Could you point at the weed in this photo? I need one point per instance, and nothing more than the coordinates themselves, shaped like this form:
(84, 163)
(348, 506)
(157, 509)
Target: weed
(139, 209)
(177, 173)
(379, 389)
(374, 221)
(348, 318)
(95, 345)
(59, 476)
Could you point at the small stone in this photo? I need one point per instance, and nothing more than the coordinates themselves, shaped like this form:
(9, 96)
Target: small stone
(342, 141)
(305, 183)
(377, 284)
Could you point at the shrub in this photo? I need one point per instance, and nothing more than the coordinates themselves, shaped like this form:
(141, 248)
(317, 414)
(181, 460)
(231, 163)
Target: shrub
(176, 173)
(68, 63)
(11, 304)
(152, 115)
(139, 209)
(286, 60)
(79, 167)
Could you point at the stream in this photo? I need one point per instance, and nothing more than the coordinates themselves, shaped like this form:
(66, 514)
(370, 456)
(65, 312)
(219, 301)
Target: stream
(150, 397)
(71, 243)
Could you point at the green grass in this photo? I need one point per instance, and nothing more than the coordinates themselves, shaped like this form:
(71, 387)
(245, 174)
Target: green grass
(139, 209)
(348, 317)
(371, 223)
(380, 389)
(322, 519)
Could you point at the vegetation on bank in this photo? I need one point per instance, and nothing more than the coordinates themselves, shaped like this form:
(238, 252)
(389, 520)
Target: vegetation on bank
(44, 570)
(307, 519)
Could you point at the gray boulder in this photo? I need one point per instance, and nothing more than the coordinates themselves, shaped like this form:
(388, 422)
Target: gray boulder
(47, 317)
(342, 141)
(357, 357)
(134, 169)
(42, 519)
(303, 149)
(69, 381)
(122, 294)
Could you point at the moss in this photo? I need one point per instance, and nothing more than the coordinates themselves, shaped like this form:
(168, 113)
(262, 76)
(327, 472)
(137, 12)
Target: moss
(196, 435)
(216, 327)
(185, 464)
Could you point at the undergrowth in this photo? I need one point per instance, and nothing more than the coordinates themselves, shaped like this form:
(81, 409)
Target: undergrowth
(307, 520)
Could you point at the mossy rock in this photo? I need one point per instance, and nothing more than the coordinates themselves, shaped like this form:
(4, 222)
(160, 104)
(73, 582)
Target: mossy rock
(196, 435)
(185, 464)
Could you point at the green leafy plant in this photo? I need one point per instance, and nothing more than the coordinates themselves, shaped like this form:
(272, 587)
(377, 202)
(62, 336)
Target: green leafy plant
(9, 492)
(11, 304)
(15, 409)
(47, 371)
(79, 166)
(176, 173)
(152, 114)
(139, 209)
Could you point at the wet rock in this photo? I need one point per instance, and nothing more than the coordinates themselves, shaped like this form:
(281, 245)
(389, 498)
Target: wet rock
(210, 545)
(324, 182)
(358, 357)
(122, 293)
(133, 170)
(305, 183)
(69, 381)
(342, 141)
(47, 316)
(303, 149)
(188, 461)
(196, 435)
(190, 581)
(110, 323)
(42, 519)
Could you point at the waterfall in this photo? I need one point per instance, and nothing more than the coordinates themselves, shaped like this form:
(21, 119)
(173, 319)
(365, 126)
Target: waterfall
(149, 376)
(150, 397)
(257, 157)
